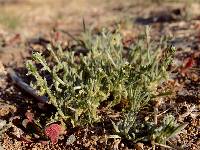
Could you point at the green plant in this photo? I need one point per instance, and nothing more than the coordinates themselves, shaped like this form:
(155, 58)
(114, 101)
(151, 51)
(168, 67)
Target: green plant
(77, 81)
(133, 129)
(168, 129)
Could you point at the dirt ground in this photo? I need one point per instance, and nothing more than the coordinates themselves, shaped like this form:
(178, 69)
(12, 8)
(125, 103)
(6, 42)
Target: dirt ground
(27, 25)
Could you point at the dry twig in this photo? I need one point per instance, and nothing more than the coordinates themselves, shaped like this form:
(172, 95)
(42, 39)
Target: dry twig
(18, 81)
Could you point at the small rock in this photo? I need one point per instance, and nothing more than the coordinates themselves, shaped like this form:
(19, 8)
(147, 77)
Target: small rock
(2, 123)
(139, 146)
(187, 81)
(199, 95)
(122, 145)
(194, 77)
(2, 70)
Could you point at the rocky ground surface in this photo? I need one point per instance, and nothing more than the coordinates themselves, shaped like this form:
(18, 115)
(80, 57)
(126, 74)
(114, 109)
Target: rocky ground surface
(27, 25)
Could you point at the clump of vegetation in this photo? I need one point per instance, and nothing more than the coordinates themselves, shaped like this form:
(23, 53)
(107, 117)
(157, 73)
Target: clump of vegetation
(103, 73)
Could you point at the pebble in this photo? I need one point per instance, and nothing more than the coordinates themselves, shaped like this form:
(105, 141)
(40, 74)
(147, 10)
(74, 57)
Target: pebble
(139, 146)
(2, 70)
(122, 145)
(199, 95)
(187, 81)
